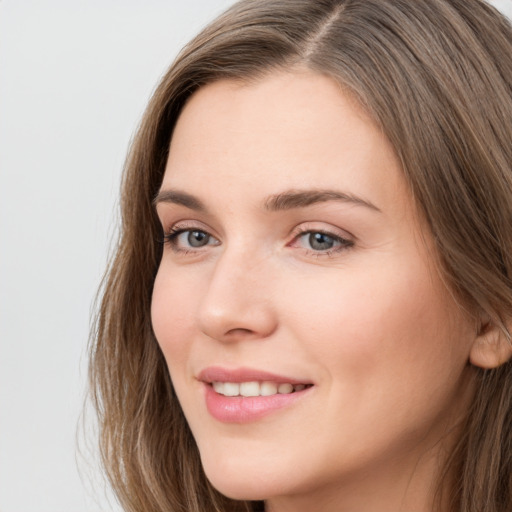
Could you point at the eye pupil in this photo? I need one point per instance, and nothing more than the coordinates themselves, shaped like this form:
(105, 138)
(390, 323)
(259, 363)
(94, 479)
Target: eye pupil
(321, 241)
(197, 238)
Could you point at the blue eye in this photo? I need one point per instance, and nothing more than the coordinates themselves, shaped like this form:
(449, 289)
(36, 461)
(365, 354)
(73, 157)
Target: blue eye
(321, 242)
(187, 239)
(195, 238)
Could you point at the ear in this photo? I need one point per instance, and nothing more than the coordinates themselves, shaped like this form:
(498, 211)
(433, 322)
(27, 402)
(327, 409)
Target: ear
(491, 347)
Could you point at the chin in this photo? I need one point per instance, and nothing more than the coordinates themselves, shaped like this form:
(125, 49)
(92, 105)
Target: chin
(240, 480)
(237, 488)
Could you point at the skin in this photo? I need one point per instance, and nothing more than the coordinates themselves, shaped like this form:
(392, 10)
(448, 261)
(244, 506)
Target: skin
(370, 323)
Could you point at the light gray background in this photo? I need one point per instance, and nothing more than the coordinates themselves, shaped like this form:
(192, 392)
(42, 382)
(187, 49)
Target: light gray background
(75, 76)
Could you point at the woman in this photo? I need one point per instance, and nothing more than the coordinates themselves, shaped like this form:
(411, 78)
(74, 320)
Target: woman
(309, 307)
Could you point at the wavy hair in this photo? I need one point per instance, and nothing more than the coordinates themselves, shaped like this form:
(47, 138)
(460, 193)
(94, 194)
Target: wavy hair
(436, 76)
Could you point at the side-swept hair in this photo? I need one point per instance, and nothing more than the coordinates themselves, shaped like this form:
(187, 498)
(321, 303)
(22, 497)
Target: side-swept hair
(436, 76)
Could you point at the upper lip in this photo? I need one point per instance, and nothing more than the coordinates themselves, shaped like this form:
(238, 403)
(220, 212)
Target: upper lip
(244, 374)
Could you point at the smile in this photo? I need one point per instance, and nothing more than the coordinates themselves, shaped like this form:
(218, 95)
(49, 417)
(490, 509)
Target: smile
(254, 388)
(243, 395)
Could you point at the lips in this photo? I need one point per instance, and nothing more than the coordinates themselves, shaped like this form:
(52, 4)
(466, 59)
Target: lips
(245, 394)
(243, 374)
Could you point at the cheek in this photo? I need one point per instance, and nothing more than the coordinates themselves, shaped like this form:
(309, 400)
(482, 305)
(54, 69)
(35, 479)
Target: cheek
(391, 349)
(352, 310)
(170, 316)
(391, 325)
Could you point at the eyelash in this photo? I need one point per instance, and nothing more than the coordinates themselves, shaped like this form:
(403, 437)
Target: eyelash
(342, 243)
(172, 235)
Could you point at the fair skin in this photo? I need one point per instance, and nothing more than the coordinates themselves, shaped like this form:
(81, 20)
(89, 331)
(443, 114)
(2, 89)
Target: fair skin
(342, 294)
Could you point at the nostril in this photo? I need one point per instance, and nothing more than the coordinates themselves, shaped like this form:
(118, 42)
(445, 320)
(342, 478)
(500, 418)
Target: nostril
(237, 331)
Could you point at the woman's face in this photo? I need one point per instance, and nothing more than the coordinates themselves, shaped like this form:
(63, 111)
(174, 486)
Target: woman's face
(296, 269)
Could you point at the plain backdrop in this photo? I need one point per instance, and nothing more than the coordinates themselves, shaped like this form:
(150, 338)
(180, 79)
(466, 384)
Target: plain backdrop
(75, 76)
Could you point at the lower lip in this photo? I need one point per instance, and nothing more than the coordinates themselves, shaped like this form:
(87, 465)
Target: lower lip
(241, 409)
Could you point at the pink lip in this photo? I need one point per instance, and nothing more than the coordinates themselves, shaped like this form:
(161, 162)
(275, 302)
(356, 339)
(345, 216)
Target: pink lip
(246, 409)
(218, 374)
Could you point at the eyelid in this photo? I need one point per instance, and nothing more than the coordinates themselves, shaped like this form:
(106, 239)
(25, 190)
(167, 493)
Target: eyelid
(317, 227)
(346, 240)
(170, 227)
(171, 234)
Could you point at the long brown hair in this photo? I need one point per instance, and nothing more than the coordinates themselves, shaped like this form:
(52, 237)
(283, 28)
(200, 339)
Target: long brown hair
(436, 75)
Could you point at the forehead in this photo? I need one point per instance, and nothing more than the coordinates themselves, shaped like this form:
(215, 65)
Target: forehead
(287, 130)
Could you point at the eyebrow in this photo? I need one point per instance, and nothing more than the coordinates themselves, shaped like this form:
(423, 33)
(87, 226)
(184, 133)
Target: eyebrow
(291, 199)
(287, 200)
(180, 197)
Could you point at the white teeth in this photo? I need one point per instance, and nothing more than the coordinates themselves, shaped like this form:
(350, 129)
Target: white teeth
(254, 388)
(284, 389)
(268, 388)
(231, 389)
(219, 387)
(249, 389)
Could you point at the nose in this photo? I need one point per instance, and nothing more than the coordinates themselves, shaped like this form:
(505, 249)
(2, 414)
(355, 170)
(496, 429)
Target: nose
(238, 303)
